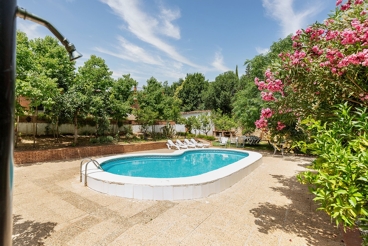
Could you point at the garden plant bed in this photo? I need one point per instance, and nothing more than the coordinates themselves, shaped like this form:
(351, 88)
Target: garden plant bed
(48, 150)
(48, 142)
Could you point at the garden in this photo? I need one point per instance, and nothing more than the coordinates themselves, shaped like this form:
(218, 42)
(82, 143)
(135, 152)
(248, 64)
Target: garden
(310, 90)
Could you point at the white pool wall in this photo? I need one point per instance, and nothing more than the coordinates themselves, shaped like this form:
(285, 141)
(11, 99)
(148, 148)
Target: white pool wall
(186, 188)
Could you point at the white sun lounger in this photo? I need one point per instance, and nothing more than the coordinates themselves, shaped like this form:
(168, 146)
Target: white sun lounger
(200, 145)
(171, 144)
(189, 144)
(181, 144)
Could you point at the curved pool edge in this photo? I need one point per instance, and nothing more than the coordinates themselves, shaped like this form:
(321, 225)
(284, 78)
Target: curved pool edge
(186, 188)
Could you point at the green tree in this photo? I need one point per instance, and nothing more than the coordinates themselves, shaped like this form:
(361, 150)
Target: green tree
(75, 107)
(248, 103)
(24, 65)
(205, 122)
(196, 124)
(188, 123)
(120, 97)
(222, 122)
(190, 92)
(39, 90)
(153, 96)
(94, 80)
(221, 92)
(54, 60)
(174, 86)
(146, 117)
(42, 71)
(168, 90)
(153, 100)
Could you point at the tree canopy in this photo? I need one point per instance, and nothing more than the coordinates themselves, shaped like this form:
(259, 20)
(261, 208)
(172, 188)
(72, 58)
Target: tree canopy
(190, 92)
(221, 92)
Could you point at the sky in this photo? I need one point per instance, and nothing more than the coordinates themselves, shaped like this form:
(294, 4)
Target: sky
(168, 39)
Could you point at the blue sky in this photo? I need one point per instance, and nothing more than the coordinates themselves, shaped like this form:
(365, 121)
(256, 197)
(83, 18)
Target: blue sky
(167, 39)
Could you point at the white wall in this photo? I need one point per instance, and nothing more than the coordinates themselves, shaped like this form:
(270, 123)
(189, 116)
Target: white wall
(26, 128)
(196, 113)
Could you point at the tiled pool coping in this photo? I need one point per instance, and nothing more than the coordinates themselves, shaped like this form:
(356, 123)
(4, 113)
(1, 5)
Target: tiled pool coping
(170, 188)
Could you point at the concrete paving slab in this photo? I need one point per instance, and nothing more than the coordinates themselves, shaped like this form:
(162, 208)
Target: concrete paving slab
(268, 207)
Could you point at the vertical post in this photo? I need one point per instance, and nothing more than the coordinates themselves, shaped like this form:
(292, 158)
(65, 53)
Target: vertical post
(8, 10)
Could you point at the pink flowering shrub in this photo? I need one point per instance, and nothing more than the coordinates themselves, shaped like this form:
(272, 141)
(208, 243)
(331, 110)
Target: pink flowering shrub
(328, 66)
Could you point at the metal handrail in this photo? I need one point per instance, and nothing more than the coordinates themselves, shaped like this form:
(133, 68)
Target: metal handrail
(85, 171)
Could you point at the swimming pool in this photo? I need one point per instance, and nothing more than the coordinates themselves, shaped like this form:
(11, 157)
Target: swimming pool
(173, 188)
(187, 164)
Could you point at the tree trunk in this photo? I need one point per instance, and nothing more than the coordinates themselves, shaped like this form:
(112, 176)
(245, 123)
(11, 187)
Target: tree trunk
(17, 132)
(57, 131)
(34, 119)
(53, 130)
(75, 128)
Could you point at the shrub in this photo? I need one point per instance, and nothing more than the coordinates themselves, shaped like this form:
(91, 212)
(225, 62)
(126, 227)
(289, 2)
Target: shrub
(209, 138)
(340, 177)
(182, 134)
(104, 139)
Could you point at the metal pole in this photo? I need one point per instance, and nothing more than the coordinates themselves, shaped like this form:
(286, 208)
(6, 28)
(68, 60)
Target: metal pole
(8, 9)
(73, 53)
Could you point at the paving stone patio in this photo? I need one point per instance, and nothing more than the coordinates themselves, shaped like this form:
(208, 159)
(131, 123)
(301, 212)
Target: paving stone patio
(268, 207)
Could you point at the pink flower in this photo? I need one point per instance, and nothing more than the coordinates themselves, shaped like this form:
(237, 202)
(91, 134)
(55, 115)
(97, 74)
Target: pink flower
(267, 96)
(345, 6)
(338, 2)
(363, 97)
(280, 126)
(295, 61)
(331, 35)
(268, 73)
(261, 123)
(358, 2)
(266, 113)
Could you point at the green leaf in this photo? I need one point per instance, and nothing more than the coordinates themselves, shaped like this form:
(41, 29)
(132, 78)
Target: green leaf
(352, 201)
(340, 192)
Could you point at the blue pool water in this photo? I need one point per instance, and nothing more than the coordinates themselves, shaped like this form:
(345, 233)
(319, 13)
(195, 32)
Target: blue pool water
(190, 163)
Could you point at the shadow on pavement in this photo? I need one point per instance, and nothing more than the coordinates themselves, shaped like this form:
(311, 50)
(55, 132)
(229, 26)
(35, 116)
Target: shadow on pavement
(300, 217)
(26, 232)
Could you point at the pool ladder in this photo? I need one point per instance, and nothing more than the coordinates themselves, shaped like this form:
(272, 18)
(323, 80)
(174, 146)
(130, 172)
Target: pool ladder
(90, 160)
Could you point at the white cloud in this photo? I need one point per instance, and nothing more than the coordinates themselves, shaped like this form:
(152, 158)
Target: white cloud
(31, 29)
(288, 18)
(142, 72)
(262, 50)
(149, 28)
(131, 52)
(218, 63)
(169, 29)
